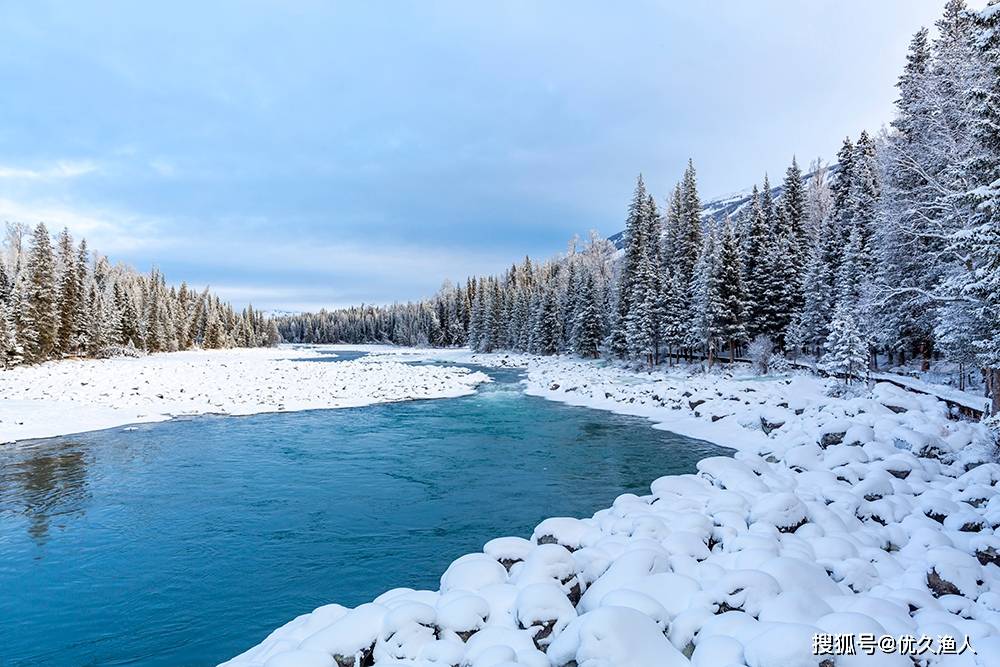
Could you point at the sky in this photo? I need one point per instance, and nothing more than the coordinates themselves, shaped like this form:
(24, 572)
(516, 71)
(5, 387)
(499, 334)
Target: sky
(300, 154)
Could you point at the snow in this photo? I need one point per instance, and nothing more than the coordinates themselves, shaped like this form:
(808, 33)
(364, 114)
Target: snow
(964, 398)
(72, 396)
(867, 512)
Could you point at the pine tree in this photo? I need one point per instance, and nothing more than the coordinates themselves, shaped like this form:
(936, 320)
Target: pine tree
(215, 325)
(490, 339)
(636, 227)
(673, 315)
(83, 316)
(849, 277)
(705, 303)
(641, 320)
(129, 324)
(477, 318)
(841, 188)
(846, 350)
(588, 319)
(673, 231)
(548, 323)
(155, 338)
(913, 89)
(768, 208)
(755, 268)
(864, 196)
(39, 324)
(568, 295)
(780, 289)
(68, 296)
(732, 296)
(793, 227)
(812, 322)
(983, 282)
(689, 235)
(6, 284)
(11, 353)
(652, 275)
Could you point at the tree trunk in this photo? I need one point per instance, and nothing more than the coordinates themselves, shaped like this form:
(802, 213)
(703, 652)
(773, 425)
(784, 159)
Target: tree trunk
(925, 352)
(995, 389)
(732, 352)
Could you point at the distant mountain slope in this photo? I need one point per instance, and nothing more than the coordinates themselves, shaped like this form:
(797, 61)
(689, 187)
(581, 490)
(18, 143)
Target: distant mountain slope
(732, 204)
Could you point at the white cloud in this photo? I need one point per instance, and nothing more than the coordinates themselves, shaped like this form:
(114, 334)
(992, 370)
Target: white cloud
(63, 169)
(107, 231)
(163, 167)
(287, 272)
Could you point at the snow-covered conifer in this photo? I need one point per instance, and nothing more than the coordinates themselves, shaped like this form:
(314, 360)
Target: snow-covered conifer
(846, 350)
(39, 324)
(588, 320)
(732, 296)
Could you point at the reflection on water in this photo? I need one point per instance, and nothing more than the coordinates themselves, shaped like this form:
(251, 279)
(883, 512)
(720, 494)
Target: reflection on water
(186, 542)
(41, 485)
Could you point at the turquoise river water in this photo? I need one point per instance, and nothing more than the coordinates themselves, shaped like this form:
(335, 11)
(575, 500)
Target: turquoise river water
(186, 542)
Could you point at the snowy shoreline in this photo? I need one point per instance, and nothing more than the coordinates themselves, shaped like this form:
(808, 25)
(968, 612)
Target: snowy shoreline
(863, 514)
(73, 396)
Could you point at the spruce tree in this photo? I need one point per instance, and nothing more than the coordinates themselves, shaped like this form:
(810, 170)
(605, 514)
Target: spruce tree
(780, 289)
(493, 322)
(755, 268)
(846, 350)
(477, 318)
(82, 318)
(793, 227)
(705, 304)
(732, 296)
(841, 188)
(641, 320)
(129, 324)
(68, 300)
(673, 314)
(6, 284)
(849, 277)
(39, 326)
(673, 237)
(548, 323)
(690, 233)
(864, 196)
(983, 282)
(768, 208)
(636, 227)
(812, 322)
(588, 320)
(11, 353)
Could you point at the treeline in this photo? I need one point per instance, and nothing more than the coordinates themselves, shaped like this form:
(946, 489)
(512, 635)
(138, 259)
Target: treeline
(59, 300)
(896, 252)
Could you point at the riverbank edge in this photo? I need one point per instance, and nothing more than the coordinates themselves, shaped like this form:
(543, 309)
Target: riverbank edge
(819, 478)
(27, 419)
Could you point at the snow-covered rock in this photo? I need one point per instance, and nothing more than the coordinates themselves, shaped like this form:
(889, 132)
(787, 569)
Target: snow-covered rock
(870, 513)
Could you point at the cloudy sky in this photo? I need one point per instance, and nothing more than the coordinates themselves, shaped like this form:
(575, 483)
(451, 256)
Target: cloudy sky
(307, 153)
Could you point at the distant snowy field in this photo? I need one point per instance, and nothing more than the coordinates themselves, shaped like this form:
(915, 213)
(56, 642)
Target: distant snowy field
(872, 514)
(64, 397)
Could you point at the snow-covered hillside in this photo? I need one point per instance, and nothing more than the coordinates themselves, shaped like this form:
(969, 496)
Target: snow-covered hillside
(864, 515)
(732, 204)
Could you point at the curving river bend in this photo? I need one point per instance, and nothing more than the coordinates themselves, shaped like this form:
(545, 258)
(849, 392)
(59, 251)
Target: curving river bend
(186, 542)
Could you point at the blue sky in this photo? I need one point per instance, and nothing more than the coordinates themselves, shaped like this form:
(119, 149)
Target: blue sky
(300, 154)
